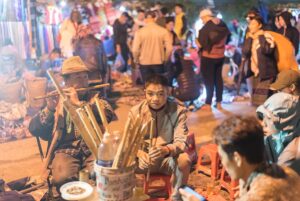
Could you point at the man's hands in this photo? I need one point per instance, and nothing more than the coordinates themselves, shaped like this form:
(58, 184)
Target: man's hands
(71, 93)
(155, 154)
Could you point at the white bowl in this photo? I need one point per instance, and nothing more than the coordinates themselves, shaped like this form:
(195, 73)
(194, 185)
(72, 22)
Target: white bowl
(88, 190)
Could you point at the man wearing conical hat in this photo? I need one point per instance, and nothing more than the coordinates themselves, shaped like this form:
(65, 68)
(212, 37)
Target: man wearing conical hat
(71, 153)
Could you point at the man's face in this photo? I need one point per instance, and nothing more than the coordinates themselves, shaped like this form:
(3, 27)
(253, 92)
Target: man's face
(123, 19)
(170, 26)
(205, 19)
(230, 164)
(177, 10)
(249, 17)
(141, 16)
(156, 96)
(77, 80)
(254, 26)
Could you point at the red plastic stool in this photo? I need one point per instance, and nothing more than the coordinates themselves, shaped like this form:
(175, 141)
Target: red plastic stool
(228, 184)
(210, 150)
(167, 187)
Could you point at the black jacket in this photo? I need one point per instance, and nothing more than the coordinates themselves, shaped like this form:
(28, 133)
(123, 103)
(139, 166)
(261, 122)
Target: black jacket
(267, 63)
(293, 35)
(120, 33)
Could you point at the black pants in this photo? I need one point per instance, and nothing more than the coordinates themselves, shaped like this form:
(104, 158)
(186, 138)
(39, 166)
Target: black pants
(211, 70)
(125, 54)
(148, 70)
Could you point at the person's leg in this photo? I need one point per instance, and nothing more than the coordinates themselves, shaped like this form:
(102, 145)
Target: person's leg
(219, 80)
(207, 70)
(179, 168)
(125, 55)
(65, 168)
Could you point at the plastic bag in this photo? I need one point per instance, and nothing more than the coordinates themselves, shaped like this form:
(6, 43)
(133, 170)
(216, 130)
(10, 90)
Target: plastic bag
(119, 63)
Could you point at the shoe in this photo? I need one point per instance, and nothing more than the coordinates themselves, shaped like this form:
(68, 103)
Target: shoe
(205, 107)
(218, 106)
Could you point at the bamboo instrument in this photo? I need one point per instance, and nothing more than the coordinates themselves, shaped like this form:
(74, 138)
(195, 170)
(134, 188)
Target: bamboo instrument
(131, 140)
(89, 128)
(51, 94)
(136, 145)
(102, 114)
(119, 153)
(150, 146)
(94, 122)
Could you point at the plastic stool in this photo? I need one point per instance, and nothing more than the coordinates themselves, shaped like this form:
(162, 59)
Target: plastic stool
(210, 150)
(167, 187)
(228, 184)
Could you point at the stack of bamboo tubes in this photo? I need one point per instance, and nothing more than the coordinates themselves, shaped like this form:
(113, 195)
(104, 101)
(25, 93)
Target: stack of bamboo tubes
(132, 138)
(91, 125)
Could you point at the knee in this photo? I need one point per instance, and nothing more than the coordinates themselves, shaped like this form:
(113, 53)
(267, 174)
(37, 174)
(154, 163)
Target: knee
(184, 162)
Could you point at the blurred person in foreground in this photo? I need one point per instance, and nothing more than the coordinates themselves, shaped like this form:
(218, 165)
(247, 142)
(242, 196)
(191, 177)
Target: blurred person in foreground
(236, 138)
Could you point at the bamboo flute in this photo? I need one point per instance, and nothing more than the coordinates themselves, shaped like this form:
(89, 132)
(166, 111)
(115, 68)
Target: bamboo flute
(150, 146)
(121, 146)
(91, 133)
(51, 94)
(102, 114)
(94, 122)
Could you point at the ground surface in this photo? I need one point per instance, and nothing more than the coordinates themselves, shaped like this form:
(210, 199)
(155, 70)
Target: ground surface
(21, 158)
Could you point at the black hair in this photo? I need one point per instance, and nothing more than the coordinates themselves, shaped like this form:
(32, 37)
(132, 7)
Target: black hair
(140, 10)
(179, 5)
(164, 10)
(170, 19)
(151, 14)
(242, 134)
(125, 14)
(156, 79)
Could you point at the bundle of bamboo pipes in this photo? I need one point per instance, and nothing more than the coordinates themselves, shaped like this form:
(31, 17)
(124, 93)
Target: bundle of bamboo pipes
(90, 124)
(132, 138)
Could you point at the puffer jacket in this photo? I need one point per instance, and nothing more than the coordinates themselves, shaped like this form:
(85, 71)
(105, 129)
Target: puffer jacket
(188, 88)
(170, 127)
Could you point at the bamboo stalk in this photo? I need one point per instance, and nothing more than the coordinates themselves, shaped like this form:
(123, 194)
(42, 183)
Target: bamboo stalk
(51, 94)
(90, 130)
(102, 114)
(133, 135)
(121, 146)
(150, 146)
(137, 144)
(95, 124)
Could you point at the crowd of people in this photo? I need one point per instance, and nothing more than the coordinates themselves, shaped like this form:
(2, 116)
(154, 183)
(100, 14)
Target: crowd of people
(261, 152)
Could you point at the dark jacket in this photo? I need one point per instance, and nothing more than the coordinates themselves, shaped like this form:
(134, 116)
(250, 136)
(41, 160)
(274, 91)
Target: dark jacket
(212, 37)
(120, 33)
(267, 64)
(290, 32)
(92, 53)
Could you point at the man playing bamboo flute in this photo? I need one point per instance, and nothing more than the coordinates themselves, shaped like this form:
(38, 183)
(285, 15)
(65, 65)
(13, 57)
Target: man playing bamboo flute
(166, 154)
(71, 153)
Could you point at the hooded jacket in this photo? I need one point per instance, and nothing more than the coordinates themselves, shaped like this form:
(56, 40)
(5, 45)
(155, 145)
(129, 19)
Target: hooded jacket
(290, 32)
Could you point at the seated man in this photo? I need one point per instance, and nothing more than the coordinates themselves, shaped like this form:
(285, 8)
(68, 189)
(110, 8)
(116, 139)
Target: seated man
(71, 154)
(240, 143)
(281, 114)
(169, 138)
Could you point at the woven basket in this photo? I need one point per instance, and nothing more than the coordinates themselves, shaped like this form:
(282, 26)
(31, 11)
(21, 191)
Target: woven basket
(35, 87)
(11, 92)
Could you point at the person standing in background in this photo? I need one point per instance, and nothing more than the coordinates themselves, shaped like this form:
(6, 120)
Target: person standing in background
(180, 21)
(68, 32)
(120, 38)
(288, 30)
(211, 40)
